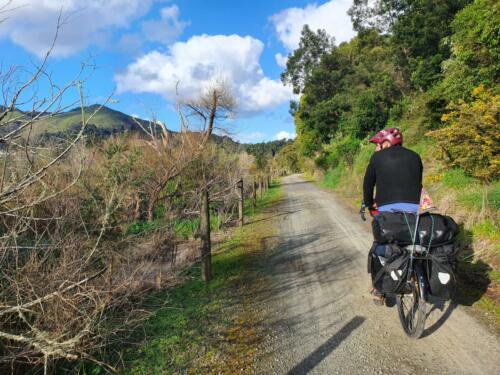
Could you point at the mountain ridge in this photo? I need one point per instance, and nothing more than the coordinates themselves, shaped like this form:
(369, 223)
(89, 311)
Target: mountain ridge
(108, 122)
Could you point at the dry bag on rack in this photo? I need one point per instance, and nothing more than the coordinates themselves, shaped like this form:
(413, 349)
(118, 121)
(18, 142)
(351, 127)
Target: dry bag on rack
(399, 227)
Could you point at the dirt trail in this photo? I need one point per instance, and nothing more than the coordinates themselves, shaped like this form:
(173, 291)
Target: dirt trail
(321, 318)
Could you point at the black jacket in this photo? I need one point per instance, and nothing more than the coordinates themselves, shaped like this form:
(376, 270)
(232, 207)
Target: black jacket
(397, 173)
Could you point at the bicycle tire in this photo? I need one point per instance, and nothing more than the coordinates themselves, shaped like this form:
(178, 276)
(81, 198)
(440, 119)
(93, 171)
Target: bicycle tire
(412, 315)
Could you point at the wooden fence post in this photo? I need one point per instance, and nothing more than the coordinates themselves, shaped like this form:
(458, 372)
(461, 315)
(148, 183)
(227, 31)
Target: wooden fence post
(241, 198)
(261, 186)
(254, 193)
(206, 252)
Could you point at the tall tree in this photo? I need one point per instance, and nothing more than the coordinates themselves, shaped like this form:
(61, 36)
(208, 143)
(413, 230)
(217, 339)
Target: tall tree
(417, 28)
(301, 63)
(475, 48)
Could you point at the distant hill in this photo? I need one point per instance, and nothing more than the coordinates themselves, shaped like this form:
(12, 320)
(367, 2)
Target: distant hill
(107, 122)
(104, 123)
(11, 115)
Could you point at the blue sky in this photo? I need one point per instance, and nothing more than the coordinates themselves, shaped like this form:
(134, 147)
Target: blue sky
(141, 48)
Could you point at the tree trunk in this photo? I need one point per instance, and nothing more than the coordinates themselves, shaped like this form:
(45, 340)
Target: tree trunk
(206, 252)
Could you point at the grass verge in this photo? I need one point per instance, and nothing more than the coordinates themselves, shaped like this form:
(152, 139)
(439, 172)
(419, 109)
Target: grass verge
(209, 329)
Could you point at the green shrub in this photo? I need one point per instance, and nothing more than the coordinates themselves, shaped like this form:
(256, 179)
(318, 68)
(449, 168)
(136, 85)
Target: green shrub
(471, 141)
(475, 52)
(185, 228)
(363, 158)
(341, 149)
(142, 227)
(333, 177)
(323, 161)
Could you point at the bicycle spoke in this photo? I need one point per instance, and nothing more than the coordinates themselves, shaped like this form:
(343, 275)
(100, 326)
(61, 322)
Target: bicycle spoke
(411, 309)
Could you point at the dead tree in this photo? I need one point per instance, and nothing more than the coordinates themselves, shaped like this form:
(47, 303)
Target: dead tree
(213, 106)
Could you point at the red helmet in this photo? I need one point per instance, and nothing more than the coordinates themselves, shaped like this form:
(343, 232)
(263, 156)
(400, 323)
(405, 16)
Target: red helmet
(392, 135)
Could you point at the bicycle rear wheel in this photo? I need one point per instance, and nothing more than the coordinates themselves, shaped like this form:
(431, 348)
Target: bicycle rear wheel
(412, 310)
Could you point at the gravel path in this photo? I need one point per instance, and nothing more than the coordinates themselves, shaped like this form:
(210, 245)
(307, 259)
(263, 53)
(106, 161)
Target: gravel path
(319, 313)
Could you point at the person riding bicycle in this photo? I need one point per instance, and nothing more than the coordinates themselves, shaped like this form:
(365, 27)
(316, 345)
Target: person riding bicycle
(396, 173)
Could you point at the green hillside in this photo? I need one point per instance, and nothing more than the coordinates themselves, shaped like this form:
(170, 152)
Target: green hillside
(106, 119)
(107, 122)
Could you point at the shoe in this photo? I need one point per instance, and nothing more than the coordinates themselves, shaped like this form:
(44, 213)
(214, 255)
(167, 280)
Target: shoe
(378, 298)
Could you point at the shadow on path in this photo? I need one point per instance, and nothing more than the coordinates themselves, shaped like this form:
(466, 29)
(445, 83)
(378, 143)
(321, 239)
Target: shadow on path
(313, 359)
(442, 319)
(285, 213)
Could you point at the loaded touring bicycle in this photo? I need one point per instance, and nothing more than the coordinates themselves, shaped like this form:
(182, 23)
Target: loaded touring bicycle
(412, 258)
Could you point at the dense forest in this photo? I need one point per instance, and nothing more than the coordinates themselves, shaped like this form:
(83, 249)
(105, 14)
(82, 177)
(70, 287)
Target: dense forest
(443, 58)
(431, 69)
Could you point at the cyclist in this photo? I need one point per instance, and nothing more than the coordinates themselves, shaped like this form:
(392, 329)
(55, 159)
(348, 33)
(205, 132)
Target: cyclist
(396, 172)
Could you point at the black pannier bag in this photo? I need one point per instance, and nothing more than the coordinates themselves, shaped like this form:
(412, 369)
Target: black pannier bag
(389, 278)
(440, 271)
(398, 227)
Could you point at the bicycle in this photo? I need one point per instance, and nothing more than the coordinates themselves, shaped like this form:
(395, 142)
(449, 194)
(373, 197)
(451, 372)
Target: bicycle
(412, 298)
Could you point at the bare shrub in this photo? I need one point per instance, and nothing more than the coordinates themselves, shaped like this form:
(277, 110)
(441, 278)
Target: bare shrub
(72, 271)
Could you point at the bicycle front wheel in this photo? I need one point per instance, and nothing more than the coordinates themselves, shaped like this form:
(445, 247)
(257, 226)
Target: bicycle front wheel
(412, 310)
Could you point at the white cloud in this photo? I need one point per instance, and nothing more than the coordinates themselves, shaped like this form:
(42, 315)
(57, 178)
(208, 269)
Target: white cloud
(167, 29)
(201, 60)
(285, 135)
(32, 23)
(281, 60)
(331, 16)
